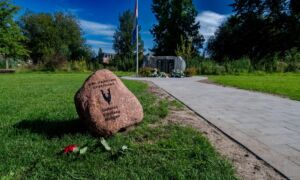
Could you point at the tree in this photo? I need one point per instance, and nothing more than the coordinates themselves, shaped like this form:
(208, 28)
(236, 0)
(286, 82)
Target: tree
(54, 35)
(122, 44)
(185, 50)
(295, 7)
(176, 26)
(257, 29)
(100, 55)
(11, 38)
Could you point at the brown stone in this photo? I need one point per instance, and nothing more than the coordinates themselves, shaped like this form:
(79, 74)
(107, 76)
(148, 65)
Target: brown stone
(106, 105)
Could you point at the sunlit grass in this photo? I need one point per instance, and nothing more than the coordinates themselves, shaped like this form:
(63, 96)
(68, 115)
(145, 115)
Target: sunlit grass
(38, 119)
(287, 85)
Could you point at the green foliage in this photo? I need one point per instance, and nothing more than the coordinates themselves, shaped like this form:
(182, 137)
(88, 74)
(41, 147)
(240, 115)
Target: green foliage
(100, 55)
(46, 121)
(208, 67)
(79, 65)
(258, 30)
(95, 65)
(242, 65)
(295, 7)
(146, 71)
(11, 38)
(185, 50)
(271, 64)
(176, 21)
(189, 72)
(292, 57)
(125, 50)
(54, 37)
(124, 64)
(195, 61)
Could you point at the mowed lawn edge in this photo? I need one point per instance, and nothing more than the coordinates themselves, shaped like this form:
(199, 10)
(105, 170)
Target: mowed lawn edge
(38, 119)
(285, 85)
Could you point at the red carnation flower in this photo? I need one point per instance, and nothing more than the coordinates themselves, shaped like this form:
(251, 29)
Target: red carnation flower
(70, 149)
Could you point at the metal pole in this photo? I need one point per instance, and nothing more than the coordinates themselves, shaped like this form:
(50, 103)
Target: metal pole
(137, 40)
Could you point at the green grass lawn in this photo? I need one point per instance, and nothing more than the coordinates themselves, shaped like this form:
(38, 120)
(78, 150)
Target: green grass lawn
(287, 85)
(38, 119)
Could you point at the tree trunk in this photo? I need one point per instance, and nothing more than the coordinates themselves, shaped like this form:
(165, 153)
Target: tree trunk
(6, 63)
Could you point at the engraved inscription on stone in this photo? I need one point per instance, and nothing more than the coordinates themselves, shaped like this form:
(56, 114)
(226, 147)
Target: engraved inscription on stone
(102, 84)
(106, 96)
(111, 113)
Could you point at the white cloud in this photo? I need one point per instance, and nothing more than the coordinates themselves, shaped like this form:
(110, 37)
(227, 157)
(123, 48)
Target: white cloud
(95, 44)
(94, 28)
(209, 22)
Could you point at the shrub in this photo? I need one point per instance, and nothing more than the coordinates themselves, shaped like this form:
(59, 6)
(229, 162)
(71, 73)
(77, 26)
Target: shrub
(111, 68)
(191, 72)
(55, 62)
(146, 72)
(207, 67)
(95, 65)
(292, 58)
(219, 70)
(281, 66)
(123, 63)
(79, 65)
(238, 66)
(194, 62)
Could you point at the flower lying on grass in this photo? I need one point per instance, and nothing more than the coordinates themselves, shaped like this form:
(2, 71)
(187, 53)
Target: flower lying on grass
(70, 149)
(74, 149)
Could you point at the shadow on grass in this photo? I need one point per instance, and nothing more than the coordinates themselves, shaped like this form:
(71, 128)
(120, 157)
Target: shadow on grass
(52, 128)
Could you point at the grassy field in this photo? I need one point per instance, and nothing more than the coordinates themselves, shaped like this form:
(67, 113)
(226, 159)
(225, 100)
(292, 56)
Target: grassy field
(287, 85)
(38, 119)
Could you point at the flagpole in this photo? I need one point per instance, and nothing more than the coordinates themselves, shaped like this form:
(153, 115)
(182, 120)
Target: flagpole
(137, 40)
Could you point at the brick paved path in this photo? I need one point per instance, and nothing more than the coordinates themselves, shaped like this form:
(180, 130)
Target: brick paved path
(267, 125)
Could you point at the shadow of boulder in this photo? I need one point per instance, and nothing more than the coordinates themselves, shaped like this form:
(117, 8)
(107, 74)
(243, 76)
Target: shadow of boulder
(53, 128)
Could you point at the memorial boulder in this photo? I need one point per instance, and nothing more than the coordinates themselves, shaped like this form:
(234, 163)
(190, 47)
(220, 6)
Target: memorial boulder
(106, 105)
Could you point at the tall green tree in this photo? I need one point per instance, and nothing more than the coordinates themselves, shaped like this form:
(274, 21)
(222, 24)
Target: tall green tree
(122, 43)
(243, 34)
(295, 7)
(100, 55)
(257, 29)
(54, 35)
(11, 38)
(176, 26)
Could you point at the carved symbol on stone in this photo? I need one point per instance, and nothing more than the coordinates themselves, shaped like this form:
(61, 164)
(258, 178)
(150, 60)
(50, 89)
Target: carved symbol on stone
(106, 97)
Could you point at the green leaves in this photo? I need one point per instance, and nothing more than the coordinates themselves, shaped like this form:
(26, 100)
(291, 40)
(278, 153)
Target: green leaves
(258, 30)
(54, 38)
(105, 145)
(83, 150)
(176, 20)
(11, 38)
(122, 42)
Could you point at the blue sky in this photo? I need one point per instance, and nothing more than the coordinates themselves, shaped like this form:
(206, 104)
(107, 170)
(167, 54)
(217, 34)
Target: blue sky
(99, 18)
